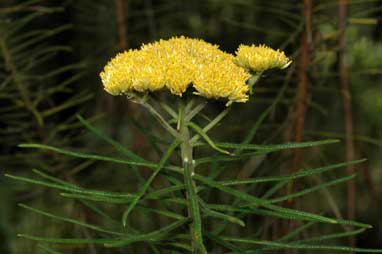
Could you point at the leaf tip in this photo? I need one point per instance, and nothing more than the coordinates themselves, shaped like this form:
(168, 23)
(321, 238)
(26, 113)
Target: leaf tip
(9, 175)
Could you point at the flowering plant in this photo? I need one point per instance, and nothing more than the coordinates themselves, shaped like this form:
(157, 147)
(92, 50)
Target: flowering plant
(181, 65)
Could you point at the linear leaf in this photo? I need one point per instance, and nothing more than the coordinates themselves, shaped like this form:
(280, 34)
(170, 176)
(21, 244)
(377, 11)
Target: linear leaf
(332, 236)
(69, 220)
(300, 216)
(153, 236)
(87, 156)
(54, 179)
(221, 158)
(260, 202)
(216, 238)
(296, 231)
(210, 212)
(74, 189)
(277, 146)
(66, 240)
(299, 174)
(252, 133)
(162, 192)
(162, 212)
(312, 189)
(278, 245)
(147, 184)
(49, 250)
(199, 131)
(219, 215)
(106, 199)
(211, 124)
(109, 140)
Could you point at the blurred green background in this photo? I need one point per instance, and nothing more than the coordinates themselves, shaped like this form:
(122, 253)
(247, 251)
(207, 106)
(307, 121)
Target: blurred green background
(51, 54)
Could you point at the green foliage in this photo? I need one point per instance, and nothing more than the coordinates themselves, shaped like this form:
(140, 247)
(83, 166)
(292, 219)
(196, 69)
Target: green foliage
(32, 72)
(167, 237)
(38, 96)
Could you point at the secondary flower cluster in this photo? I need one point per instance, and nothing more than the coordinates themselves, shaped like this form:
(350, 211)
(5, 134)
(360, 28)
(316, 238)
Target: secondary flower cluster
(260, 58)
(180, 62)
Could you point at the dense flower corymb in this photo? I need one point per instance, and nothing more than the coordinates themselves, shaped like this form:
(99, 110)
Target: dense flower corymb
(176, 64)
(260, 58)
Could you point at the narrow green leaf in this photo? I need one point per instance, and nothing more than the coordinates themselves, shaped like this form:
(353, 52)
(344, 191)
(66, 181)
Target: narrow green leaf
(296, 231)
(67, 240)
(276, 187)
(73, 188)
(106, 199)
(149, 237)
(88, 156)
(210, 212)
(114, 199)
(54, 179)
(75, 100)
(278, 245)
(191, 114)
(181, 246)
(312, 189)
(69, 220)
(287, 216)
(211, 124)
(217, 239)
(299, 174)
(303, 217)
(277, 146)
(147, 184)
(163, 192)
(228, 208)
(131, 155)
(251, 134)
(160, 119)
(260, 202)
(169, 110)
(221, 158)
(198, 130)
(224, 216)
(162, 212)
(49, 250)
(332, 236)
(38, 36)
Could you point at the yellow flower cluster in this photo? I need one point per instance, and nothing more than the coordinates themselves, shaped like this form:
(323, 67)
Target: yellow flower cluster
(260, 58)
(180, 62)
(176, 64)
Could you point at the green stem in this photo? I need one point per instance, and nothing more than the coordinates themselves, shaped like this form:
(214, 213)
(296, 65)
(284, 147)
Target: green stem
(188, 166)
(143, 101)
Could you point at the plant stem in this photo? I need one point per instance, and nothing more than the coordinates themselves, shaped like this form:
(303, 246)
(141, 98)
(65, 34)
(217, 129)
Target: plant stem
(188, 166)
(121, 25)
(347, 106)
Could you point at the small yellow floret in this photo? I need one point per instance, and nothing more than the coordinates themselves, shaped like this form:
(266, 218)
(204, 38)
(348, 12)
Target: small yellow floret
(176, 64)
(260, 58)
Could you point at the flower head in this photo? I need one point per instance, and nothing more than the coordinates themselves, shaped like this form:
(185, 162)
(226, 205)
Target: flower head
(176, 64)
(260, 58)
